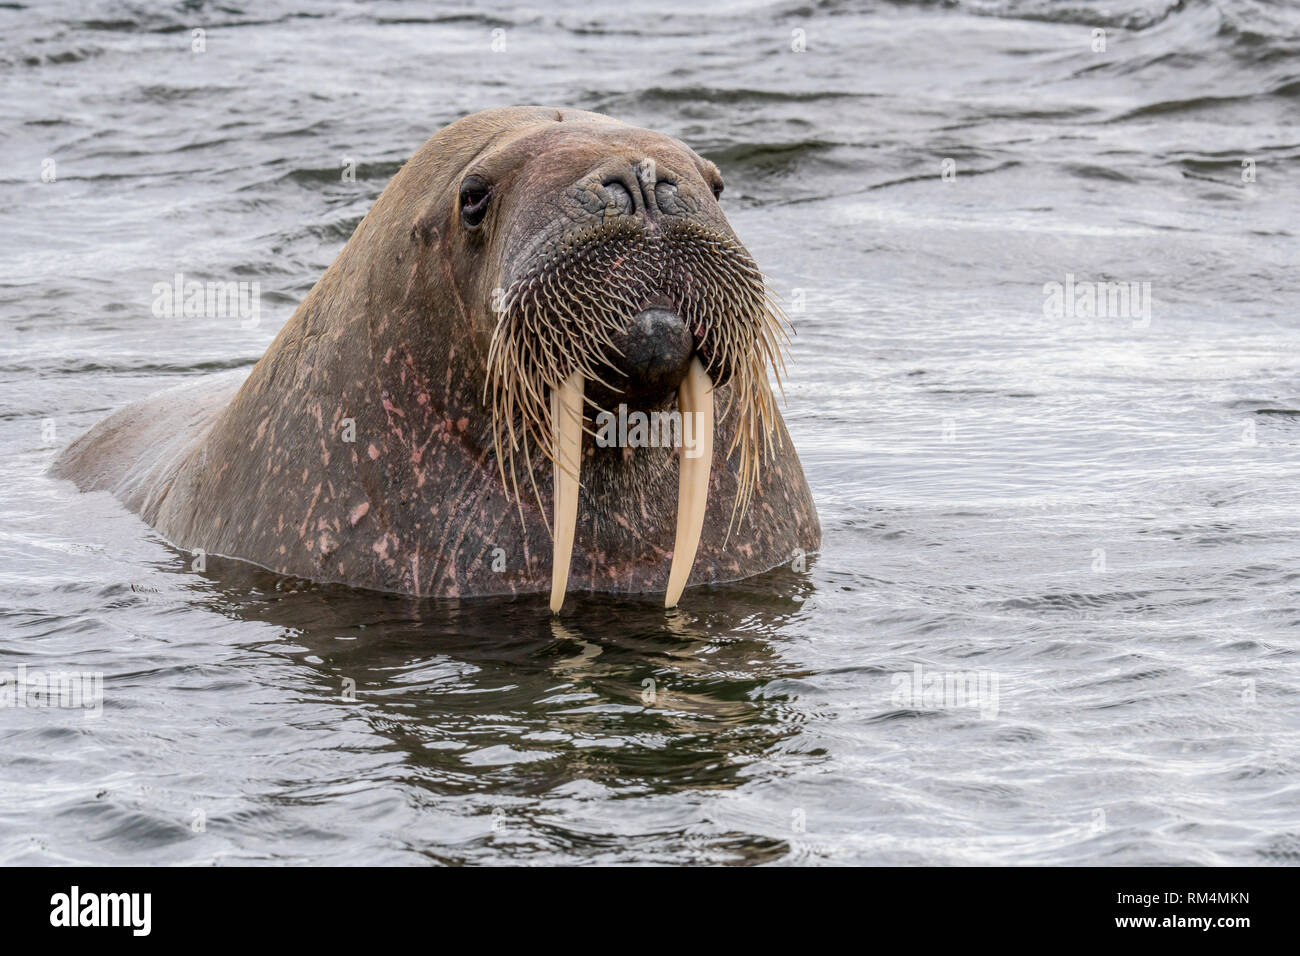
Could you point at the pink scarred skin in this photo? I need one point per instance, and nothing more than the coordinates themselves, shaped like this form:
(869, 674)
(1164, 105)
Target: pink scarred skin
(395, 337)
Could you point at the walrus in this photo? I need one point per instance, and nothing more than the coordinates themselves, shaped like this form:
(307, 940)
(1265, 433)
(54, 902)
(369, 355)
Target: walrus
(435, 417)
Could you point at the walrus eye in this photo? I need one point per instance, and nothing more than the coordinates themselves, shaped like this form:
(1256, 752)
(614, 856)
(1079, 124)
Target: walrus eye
(474, 195)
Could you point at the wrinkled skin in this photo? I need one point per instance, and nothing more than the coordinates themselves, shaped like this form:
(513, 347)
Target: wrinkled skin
(395, 336)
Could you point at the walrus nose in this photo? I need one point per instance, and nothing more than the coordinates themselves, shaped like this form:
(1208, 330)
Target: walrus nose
(657, 348)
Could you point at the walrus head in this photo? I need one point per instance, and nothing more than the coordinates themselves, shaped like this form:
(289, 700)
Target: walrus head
(603, 272)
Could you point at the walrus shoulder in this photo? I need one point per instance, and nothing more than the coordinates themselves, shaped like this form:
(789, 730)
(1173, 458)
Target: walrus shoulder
(136, 452)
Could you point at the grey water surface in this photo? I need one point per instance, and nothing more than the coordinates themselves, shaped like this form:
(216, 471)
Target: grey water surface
(1087, 521)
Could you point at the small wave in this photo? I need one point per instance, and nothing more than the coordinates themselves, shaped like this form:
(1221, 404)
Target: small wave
(80, 367)
(723, 96)
(468, 19)
(1144, 17)
(381, 170)
(61, 58)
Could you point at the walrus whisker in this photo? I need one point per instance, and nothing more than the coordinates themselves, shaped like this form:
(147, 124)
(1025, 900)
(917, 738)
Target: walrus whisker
(565, 316)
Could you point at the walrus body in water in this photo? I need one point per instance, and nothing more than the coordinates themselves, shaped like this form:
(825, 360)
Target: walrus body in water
(429, 420)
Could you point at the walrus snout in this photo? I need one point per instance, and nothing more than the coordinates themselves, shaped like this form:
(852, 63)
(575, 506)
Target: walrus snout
(657, 349)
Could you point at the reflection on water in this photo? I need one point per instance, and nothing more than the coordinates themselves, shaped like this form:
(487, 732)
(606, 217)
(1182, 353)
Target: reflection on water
(619, 693)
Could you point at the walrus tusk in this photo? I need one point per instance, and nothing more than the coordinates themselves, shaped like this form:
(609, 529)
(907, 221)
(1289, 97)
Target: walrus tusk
(695, 403)
(566, 444)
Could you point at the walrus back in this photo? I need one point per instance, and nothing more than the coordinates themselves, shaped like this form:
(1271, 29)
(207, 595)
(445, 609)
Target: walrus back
(136, 452)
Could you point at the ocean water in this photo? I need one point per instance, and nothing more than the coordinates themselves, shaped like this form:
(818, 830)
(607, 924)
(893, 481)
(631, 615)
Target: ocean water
(1056, 614)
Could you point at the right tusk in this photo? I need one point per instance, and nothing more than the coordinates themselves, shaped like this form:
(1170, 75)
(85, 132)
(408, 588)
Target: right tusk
(566, 453)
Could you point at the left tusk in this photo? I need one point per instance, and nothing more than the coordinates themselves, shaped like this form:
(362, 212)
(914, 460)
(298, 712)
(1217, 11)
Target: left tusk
(694, 397)
(566, 453)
